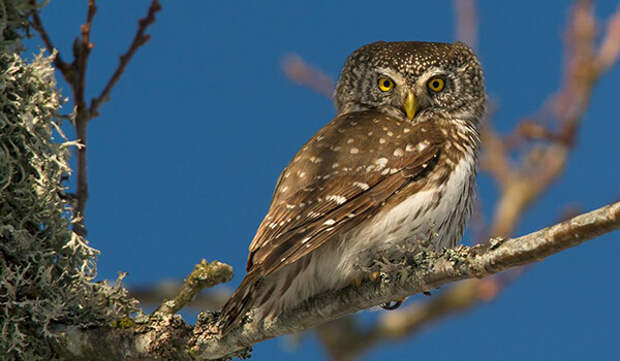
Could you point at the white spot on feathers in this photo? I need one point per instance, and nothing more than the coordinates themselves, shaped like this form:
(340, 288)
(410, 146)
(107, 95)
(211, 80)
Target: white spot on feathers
(361, 185)
(336, 198)
(381, 162)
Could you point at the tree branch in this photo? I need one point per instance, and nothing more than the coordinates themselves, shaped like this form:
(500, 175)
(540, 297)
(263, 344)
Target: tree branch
(401, 279)
(165, 336)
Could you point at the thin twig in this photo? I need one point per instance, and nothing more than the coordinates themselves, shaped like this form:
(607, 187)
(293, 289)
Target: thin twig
(75, 75)
(301, 73)
(466, 21)
(139, 39)
(204, 275)
(81, 51)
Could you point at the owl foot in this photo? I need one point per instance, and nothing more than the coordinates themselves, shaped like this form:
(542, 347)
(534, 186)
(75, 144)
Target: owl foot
(393, 305)
(357, 282)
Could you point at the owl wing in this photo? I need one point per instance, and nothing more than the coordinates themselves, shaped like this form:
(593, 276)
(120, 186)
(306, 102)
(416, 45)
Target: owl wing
(340, 177)
(329, 200)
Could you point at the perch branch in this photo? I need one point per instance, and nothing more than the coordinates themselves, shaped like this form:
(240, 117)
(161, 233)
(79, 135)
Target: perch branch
(430, 271)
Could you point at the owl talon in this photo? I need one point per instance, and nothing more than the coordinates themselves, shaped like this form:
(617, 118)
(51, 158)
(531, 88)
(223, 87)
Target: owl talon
(393, 304)
(374, 276)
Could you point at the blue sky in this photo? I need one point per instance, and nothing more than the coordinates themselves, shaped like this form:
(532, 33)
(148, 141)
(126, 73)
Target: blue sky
(184, 157)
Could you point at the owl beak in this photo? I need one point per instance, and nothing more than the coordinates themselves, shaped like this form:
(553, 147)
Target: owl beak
(410, 105)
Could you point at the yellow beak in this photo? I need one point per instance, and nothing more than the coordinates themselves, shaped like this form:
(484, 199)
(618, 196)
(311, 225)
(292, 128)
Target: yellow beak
(410, 105)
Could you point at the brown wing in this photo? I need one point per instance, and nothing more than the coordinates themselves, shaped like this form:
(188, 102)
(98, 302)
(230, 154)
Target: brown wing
(337, 180)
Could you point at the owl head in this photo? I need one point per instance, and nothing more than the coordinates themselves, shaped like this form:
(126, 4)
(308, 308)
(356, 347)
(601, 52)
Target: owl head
(413, 81)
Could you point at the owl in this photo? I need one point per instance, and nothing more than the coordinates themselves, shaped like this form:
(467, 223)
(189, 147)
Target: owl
(395, 167)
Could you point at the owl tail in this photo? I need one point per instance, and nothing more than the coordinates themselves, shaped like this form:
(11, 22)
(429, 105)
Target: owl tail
(239, 303)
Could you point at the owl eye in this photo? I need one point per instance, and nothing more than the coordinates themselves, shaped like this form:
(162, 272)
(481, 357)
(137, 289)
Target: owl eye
(436, 84)
(385, 84)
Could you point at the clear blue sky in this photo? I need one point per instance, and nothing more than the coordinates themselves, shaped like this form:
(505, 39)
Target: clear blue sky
(184, 157)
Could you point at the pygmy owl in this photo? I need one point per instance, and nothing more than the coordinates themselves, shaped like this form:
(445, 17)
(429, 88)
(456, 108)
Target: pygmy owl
(396, 166)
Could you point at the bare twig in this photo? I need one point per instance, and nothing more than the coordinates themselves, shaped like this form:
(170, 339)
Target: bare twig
(204, 275)
(75, 75)
(301, 73)
(139, 39)
(542, 164)
(466, 21)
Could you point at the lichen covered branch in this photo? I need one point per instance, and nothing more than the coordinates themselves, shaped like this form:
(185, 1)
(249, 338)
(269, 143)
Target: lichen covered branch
(204, 275)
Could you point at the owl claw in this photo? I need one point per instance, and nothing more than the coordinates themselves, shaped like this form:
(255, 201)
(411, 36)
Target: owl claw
(393, 304)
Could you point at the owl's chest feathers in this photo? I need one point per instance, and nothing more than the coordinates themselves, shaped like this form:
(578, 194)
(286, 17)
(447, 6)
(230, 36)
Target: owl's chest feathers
(433, 216)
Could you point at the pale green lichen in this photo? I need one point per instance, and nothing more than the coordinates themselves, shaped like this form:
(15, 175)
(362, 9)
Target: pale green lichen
(46, 270)
(14, 22)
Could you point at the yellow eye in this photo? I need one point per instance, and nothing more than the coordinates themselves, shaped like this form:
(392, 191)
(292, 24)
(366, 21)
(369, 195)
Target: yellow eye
(436, 84)
(385, 84)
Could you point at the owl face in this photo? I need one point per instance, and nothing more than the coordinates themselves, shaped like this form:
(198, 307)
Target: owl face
(413, 81)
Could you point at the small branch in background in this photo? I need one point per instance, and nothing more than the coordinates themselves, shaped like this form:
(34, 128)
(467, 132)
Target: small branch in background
(466, 21)
(543, 163)
(404, 322)
(211, 300)
(301, 73)
(204, 275)
(75, 75)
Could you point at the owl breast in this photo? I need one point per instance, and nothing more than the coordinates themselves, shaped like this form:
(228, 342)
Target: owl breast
(434, 217)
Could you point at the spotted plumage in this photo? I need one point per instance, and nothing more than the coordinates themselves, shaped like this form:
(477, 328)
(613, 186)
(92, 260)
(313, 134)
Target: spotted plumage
(396, 166)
